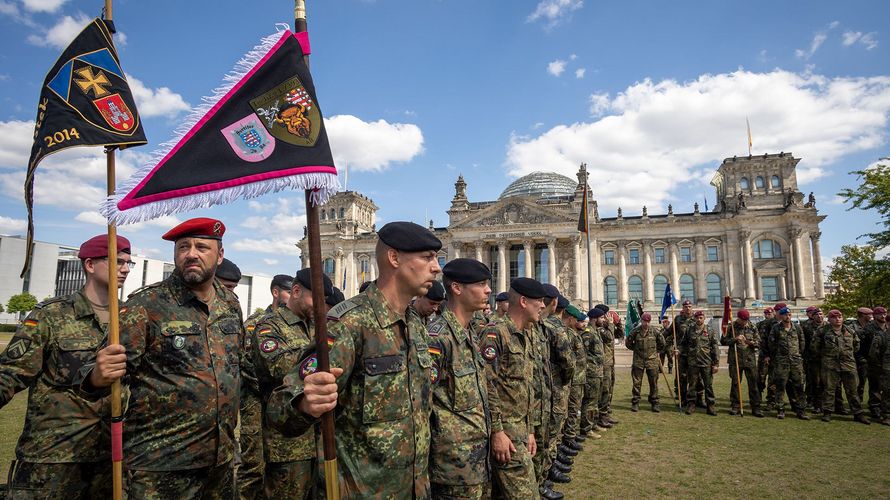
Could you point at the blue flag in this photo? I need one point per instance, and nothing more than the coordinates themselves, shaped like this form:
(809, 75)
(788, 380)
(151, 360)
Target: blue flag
(668, 300)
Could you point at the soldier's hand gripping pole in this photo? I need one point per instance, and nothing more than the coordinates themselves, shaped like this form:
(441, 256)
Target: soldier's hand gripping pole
(738, 376)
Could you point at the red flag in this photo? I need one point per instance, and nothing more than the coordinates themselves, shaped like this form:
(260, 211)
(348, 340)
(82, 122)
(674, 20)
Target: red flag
(727, 313)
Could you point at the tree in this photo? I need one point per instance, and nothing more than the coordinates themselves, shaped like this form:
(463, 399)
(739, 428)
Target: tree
(863, 280)
(1, 308)
(873, 193)
(21, 303)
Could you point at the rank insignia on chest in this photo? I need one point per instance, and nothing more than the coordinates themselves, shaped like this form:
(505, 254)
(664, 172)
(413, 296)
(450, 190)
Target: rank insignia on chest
(269, 345)
(179, 342)
(309, 366)
(490, 353)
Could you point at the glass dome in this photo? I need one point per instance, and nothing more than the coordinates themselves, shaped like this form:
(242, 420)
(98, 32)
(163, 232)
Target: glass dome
(541, 185)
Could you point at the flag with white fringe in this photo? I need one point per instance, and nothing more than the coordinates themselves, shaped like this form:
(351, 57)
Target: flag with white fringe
(262, 131)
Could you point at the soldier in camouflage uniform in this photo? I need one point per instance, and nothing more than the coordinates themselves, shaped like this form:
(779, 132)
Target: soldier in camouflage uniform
(542, 396)
(812, 368)
(763, 369)
(571, 318)
(593, 342)
(607, 332)
(379, 381)
(879, 354)
(45, 356)
(427, 306)
(459, 451)
(646, 342)
(666, 359)
(281, 340)
(784, 357)
(836, 345)
(863, 318)
(252, 468)
(562, 367)
(743, 340)
(703, 351)
(874, 327)
(183, 340)
(680, 323)
(501, 304)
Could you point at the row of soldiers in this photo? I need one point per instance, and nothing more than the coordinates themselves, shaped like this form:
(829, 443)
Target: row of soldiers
(811, 361)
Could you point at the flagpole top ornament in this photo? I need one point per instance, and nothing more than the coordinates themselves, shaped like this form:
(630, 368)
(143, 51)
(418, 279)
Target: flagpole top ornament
(299, 9)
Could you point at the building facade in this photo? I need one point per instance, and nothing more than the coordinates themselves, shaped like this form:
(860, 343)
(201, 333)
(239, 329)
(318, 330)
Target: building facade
(760, 243)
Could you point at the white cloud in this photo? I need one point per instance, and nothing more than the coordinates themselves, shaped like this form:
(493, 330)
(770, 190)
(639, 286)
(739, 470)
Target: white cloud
(8, 225)
(283, 246)
(256, 206)
(869, 40)
(156, 102)
(654, 135)
(372, 146)
(270, 262)
(16, 138)
(60, 35)
(49, 6)
(9, 9)
(818, 39)
(579, 73)
(554, 12)
(556, 67)
(274, 234)
(95, 218)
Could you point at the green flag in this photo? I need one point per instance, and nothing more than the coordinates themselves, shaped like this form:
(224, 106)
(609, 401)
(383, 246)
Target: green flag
(631, 319)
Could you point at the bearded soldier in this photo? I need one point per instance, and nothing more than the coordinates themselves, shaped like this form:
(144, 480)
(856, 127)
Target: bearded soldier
(646, 342)
(743, 340)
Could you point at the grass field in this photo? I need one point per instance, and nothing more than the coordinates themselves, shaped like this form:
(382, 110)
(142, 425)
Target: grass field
(675, 455)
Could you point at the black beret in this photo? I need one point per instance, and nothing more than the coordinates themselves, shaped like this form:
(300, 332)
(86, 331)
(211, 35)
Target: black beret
(334, 298)
(603, 307)
(596, 312)
(304, 278)
(283, 281)
(528, 287)
(409, 237)
(436, 292)
(551, 291)
(466, 271)
(228, 271)
(562, 302)
(363, 286)
(502, 297)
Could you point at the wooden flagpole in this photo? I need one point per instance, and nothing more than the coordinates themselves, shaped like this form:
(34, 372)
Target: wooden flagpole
(331, 475)
(676, 356)
(738, 376)
(117, 454)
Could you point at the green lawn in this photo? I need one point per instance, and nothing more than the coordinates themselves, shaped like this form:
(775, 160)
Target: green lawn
(675, 455)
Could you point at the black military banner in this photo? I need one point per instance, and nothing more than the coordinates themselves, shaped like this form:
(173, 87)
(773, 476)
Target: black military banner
(84, 101)
(262, 132)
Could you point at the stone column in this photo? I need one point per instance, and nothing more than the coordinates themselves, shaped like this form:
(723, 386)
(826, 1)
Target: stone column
(622, 272)
(551, 261)
(372, 269)
(727, 281)
(701, 282)
(648, 286)
(782, 291)
(675, 271)
(745, 240)
(351, 273)
(338, 268)
(580, 270)
(795, 233)
(456, 245)
(479, 247)
(528, 248)
(503, 270)
(817, 265)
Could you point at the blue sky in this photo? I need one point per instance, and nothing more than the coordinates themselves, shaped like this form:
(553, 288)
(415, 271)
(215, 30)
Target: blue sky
(651, 95)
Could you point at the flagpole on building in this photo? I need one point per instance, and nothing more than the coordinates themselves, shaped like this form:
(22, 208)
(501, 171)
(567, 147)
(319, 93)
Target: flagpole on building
(587, 232)
(331, 475)
(114, 321)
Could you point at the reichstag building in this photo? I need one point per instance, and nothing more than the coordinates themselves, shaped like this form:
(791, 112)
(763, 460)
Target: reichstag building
(760, 241)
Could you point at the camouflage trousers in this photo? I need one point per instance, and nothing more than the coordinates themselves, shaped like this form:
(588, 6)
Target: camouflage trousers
(516, 478)
(787, 376)
(573, 417)
(590, 403)
(542, 438)
(251, 469)
(862, 375)
(700, 375)
(874, 389)
(29, 480)
(605, 401)
(460, 491)
(557, 421)
(683, 376)
(206, 483)
(815, 385)
(765, 375)
(750, 375)
(849, 382)
(885, 389)
(636, 374)
(289, 480)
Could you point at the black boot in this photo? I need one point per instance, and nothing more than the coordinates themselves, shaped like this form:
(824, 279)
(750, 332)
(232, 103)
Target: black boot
(561, 467)
(655, 408)
(861, 418)
(603, 423)
(573, 445)
(802, 415)
(562, 457)
(580, 438)
(635, 407)
(565, 450)
(757, 413)
(549, 494)
(559, 477)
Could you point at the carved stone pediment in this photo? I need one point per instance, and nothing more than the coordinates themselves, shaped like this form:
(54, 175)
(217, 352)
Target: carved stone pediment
(770, 264)
(513, 211)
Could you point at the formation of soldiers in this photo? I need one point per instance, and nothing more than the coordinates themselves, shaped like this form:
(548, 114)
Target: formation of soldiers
(433, 394)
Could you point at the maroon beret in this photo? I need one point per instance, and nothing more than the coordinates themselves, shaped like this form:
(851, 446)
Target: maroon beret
(812, 309)
(687, 302)
(879, 310)
(698, 313)
(744, 314)
(834, 313)
(780, 305)
(200, 227)
(768, 309)
(864, 310)
(97, 247)
(646, 317)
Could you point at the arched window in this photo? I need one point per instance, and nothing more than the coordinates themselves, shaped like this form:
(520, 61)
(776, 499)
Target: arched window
(658, 285)
(610, 290)
(635, 288)
(744, 184)
(767, 249)
(333, 214)
(323, 215)
(342, 212)
(328, 266)
(715, 292)
(775, 182)
(687, 288)
(758, 182)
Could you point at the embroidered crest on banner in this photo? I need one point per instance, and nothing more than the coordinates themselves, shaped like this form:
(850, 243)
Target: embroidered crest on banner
(249, 139)
(288, 113)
